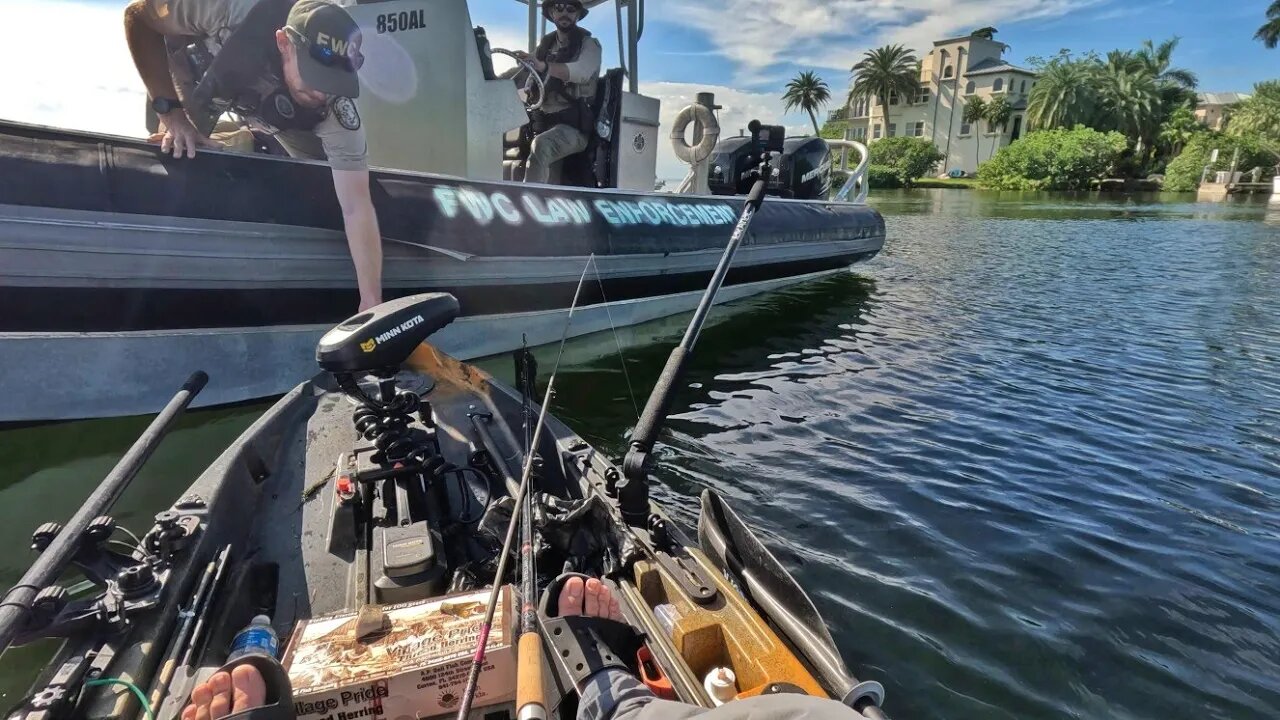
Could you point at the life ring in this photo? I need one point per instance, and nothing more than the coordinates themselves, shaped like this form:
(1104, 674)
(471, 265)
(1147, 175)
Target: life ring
(691, 154)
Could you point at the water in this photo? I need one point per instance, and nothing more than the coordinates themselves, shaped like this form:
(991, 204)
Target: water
(1025, 461)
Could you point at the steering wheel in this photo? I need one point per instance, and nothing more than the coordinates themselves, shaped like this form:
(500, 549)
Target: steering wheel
(531, 78)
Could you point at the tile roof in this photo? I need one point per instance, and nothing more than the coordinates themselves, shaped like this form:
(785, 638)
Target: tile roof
(1220, 98)
(988, 66)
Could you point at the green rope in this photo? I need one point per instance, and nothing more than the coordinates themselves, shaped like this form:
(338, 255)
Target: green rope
(142, 698)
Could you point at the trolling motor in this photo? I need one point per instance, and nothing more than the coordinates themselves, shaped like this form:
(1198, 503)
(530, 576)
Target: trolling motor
(389, 487)
(633, 488)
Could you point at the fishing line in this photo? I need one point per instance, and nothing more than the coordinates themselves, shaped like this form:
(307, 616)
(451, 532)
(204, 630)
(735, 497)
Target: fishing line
(616, 342)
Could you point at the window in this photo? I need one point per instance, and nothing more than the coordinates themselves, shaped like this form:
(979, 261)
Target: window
(875, 134)
(893, 97)
(922, 96)
(1017, 129)
(918, 129)
(964, 128)
(946, 71)
(893, 129)
(1024, 87)
(998, 85)
(968, 89)
(860, 106)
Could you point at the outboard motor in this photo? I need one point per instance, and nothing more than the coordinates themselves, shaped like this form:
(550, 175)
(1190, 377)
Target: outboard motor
(802, 172)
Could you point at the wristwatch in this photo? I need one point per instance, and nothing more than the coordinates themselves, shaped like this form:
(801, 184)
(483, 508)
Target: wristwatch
(164, 105)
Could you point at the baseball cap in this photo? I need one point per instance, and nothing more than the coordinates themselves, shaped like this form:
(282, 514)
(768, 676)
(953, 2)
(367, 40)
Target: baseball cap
(328, 47)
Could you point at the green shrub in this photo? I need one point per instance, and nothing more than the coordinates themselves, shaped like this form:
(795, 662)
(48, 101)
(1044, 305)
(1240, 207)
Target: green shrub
(882, 177)
(833, 129)
(1183, 173)
(907, 157)
(1053, 160)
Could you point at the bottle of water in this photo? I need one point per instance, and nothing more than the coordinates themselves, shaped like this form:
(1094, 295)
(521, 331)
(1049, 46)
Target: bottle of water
(259, 638)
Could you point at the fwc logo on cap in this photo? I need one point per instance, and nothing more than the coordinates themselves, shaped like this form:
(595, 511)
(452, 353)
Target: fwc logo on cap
(338, 45)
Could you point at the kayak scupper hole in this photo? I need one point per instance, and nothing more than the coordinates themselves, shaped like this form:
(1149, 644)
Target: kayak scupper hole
(564, 653)
(557, 631)
(579, 667)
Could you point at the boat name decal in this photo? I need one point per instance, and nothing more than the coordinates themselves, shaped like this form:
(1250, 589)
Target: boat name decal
(404, 20)
(373, 342)
(485, 207)
(823, 167)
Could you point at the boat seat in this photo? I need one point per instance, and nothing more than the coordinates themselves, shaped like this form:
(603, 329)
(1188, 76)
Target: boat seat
(385, 336)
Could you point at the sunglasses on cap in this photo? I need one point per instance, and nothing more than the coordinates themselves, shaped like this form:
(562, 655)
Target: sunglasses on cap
(325, 55)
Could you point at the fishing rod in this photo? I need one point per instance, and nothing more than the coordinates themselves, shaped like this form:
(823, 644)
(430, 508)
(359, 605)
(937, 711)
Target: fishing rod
(51, 563)
(193, 624)
(530, 703)
(633, 488)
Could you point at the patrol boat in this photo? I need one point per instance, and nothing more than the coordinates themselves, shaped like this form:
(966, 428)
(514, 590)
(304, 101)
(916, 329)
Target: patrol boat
(120, 265)
(373, 512)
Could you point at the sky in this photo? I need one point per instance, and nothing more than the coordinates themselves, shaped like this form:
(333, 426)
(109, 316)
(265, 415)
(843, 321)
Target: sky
(742, 50)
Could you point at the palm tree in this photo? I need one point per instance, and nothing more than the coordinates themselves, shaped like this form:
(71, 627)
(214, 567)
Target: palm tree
(808, 92)
(997, 114)
(1259, 115)
(975, 109)
(884, 71)
(1269, 33)
(1156, 60)
(1063, 95)
(1129, 100)
(986, 33)
(1178, 130)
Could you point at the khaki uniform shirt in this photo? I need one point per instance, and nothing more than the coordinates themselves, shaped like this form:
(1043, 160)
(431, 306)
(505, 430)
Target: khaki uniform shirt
(584, 73)
(339, 138)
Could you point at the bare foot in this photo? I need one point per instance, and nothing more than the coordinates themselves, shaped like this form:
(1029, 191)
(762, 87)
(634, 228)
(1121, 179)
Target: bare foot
(592, 598)
(224, 694)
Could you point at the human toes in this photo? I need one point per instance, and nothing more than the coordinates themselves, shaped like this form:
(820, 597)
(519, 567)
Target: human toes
(571, 597)
(248, 689)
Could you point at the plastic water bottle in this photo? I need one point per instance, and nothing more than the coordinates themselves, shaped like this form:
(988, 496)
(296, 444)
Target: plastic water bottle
(259, 638)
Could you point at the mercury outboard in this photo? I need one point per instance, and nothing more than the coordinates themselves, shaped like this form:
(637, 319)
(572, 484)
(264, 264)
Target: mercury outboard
(802, 172)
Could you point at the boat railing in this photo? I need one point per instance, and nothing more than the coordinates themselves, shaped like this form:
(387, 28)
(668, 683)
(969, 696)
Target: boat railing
(856, 183)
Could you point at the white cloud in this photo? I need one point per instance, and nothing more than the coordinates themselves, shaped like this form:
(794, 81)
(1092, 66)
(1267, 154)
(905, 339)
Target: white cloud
(758, 34)
(75, 80)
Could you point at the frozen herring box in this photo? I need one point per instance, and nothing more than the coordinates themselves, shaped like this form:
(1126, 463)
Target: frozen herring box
(415, 667)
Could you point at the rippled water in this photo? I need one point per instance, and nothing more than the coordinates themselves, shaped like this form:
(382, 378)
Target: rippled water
(1025, 461)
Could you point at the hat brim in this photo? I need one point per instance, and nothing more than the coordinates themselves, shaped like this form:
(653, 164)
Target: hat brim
(546, 9)
(331, 80)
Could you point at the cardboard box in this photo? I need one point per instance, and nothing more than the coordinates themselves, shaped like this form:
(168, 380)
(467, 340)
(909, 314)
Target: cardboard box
(416, 667)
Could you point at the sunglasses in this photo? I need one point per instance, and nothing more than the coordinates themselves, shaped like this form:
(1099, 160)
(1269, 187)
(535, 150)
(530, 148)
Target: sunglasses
(564, 7)
(325, 55)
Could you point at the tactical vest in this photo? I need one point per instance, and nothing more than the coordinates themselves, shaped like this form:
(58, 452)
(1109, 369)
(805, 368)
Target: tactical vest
(578, 114)
(247, 77)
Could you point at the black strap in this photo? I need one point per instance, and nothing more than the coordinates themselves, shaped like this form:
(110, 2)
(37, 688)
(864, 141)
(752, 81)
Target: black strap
(279, 704)
(582, 645)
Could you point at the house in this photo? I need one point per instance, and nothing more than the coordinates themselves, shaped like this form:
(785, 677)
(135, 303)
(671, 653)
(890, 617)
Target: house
(1210, 106)
(952, 72)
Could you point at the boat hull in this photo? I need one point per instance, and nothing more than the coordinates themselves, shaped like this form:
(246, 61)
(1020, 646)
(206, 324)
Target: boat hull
(121, 269)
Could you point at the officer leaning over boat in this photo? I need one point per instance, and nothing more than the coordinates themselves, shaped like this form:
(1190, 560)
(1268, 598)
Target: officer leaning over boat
(286, 66)
(569, 58)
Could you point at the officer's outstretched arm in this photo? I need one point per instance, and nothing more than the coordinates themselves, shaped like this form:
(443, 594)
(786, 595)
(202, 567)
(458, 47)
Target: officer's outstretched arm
(363, 236)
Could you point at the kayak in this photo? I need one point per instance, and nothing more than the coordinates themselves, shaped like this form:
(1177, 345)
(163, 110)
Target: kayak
(358, 546)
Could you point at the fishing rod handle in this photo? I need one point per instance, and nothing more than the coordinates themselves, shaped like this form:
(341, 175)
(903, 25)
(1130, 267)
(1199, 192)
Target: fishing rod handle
(530, 701)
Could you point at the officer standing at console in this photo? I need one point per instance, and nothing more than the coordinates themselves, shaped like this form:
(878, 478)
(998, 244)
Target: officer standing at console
(569, 58)
(288, 67)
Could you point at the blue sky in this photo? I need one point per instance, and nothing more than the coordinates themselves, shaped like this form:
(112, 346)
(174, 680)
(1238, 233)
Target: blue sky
(743, 50)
